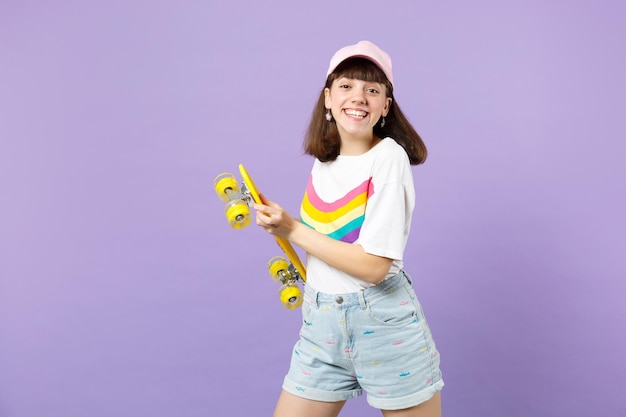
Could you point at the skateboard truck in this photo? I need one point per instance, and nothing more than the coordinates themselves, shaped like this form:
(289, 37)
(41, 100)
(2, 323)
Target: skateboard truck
(284, 272)
(237, 200)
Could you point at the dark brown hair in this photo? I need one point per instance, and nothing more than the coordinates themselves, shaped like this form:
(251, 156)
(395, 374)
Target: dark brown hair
(322, 137)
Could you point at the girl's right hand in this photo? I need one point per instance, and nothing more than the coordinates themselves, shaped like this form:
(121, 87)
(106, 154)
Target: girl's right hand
(273, 218)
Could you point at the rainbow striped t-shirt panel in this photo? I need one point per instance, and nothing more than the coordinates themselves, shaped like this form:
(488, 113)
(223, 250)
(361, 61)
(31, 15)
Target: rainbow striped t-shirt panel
(340, 219)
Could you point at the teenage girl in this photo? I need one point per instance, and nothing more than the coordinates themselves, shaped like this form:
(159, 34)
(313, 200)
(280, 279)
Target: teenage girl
(363, 327)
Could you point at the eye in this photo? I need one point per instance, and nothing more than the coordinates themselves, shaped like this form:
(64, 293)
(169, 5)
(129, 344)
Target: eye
(372, 90)
(344, 86)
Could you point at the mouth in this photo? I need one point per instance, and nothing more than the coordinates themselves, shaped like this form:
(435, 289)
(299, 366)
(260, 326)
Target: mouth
(357, 114)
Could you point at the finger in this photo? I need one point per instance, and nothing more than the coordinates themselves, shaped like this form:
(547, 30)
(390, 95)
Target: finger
(264, 220)
(259, 207)
(270, 203)
(264, 200)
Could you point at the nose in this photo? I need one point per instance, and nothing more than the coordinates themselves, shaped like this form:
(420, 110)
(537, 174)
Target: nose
(358, 96)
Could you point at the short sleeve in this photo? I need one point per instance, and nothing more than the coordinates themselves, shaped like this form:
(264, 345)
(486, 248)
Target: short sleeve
(389, 208)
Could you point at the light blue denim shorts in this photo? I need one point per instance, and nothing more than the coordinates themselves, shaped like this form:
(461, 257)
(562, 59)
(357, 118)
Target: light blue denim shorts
(376, 340)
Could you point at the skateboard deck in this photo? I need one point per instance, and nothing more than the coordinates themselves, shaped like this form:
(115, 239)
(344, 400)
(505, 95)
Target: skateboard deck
(239, 199)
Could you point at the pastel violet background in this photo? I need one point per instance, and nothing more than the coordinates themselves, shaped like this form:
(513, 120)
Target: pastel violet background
(123, 292)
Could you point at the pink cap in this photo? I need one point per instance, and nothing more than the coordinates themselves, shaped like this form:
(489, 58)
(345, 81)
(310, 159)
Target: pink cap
(363, 49)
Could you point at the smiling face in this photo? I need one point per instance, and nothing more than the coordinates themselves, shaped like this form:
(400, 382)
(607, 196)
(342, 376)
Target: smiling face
(357, 106)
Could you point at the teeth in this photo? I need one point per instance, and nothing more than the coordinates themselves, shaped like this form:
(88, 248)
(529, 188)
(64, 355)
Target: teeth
(356, 113)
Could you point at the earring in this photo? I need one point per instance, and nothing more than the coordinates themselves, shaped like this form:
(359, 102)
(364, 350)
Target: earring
(329, 116)
(382, 124)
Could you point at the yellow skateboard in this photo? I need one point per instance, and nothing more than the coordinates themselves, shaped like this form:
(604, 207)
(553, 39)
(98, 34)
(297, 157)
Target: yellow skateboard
(238, 201)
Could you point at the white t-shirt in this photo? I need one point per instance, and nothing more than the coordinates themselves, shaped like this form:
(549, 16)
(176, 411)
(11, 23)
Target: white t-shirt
(367, 200)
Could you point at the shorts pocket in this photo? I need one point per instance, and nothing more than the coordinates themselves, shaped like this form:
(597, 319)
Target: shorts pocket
(396, 307)
(307, 309)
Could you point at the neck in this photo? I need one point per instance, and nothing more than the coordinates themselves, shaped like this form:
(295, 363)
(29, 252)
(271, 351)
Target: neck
(357, 146)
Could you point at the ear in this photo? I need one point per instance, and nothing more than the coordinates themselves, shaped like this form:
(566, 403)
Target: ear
(327, 102)
(387, 106)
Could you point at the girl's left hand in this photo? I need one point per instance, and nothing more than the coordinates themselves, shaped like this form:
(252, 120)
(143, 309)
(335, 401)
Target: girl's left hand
(273, 218)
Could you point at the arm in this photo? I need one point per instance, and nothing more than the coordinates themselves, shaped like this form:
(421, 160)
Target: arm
(347, 257)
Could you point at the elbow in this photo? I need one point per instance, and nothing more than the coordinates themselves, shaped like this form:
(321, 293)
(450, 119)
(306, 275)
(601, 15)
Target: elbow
(378, 271)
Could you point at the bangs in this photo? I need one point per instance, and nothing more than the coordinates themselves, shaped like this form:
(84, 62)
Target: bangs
(360, 69)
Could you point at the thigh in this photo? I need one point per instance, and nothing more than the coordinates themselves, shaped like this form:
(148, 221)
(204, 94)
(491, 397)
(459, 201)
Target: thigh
(397, 361)
(430, 408)
(289, 405)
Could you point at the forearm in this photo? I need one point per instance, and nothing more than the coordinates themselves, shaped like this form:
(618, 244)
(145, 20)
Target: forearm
(349, 258)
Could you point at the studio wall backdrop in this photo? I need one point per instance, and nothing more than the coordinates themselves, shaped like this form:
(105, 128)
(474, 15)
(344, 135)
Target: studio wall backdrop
(123, 290)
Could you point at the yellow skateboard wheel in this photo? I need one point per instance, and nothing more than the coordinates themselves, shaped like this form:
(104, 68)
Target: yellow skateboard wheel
(290, 296)
(225, 184)
(238, 214)
(276, 265)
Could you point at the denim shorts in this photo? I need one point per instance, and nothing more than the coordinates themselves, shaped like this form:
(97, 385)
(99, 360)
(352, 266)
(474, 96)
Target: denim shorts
(376, 340)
